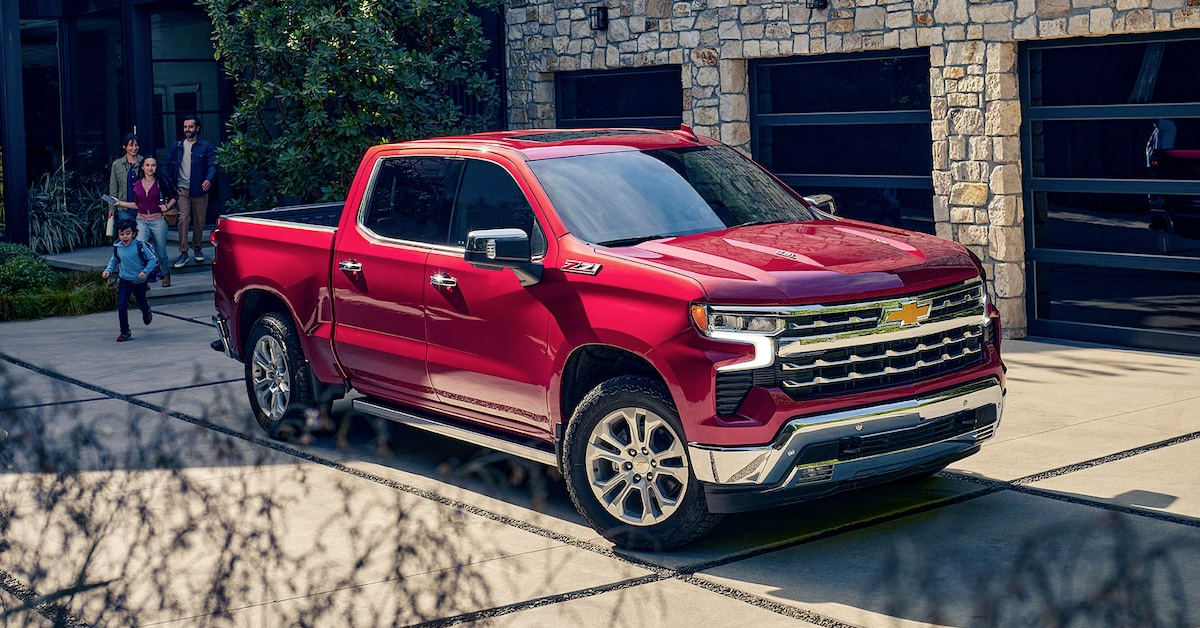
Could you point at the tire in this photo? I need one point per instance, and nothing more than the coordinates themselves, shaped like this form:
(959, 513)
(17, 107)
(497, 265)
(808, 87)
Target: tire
(277, 376)
(638, 491)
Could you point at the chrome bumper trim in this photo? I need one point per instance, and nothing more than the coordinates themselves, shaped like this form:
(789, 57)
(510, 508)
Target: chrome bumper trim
(772, 465)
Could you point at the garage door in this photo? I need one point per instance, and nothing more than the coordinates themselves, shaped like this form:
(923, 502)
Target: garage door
(1112, 180)
(855, 126)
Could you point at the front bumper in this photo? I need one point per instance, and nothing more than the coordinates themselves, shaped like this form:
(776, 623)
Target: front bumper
(824, 454)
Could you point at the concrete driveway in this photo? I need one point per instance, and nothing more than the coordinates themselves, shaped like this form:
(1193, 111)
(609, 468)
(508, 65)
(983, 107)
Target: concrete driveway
(136, 487)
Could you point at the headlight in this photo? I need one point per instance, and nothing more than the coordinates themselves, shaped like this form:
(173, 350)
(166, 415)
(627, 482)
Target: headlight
(710, 321)
(744, 327)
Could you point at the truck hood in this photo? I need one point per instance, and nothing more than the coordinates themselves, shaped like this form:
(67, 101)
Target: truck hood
(809, 262)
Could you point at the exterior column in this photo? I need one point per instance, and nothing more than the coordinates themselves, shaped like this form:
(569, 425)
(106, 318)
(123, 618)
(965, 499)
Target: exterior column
(12, 125)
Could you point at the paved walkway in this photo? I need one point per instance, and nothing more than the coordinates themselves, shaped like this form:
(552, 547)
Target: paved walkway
(190, 282)
(1085, 510)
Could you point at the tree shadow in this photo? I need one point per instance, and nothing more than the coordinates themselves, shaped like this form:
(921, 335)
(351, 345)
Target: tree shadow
(125, 520)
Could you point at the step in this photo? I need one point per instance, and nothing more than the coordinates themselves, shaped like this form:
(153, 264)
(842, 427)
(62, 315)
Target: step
(191, 282)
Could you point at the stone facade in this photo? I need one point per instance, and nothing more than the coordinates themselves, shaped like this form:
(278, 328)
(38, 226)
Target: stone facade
(975, 104)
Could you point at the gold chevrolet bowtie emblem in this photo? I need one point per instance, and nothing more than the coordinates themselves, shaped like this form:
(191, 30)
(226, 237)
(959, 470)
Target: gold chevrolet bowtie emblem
(908, 314)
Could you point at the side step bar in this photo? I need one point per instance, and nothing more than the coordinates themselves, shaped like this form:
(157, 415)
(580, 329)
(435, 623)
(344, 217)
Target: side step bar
(384, 411)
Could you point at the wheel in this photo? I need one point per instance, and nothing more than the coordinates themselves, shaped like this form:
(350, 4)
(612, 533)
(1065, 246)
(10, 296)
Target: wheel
(277, 376)
(626, 467)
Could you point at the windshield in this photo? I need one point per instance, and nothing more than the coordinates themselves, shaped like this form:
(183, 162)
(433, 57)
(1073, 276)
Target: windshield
(617, 199)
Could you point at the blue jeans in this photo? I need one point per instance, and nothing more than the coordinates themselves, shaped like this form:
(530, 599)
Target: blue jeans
(125, 214)
(158, 229)
(125, 288)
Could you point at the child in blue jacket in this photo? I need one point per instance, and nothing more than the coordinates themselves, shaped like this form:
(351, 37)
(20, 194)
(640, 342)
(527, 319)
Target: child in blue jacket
(136, 262)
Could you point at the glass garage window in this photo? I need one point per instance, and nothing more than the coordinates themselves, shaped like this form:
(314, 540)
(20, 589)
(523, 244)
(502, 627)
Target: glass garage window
(635, 97)
(1128, 298)
(855, 126)
(888, 83)
(1118, 73)
(1114, 223)
(1112, 181)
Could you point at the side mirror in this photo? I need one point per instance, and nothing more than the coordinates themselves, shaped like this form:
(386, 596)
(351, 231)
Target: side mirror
(824, 202)
(496, 249)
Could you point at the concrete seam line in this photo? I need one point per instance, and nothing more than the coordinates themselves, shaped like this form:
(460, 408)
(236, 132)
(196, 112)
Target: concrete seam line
(771, 605)
(31, 600)
(1120, 455)
(183, 318)
(548, 600)
(838, 531)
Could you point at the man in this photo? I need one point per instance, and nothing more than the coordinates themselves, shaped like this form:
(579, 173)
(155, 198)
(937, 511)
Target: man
(191, 166)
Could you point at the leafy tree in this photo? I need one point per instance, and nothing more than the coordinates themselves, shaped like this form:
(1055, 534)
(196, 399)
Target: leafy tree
(316, 82)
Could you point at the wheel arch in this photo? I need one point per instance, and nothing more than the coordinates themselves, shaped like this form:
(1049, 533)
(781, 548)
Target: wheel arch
(253, 304)
(589, 365)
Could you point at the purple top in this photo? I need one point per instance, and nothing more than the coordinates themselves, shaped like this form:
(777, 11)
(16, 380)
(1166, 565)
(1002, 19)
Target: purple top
(146, 200)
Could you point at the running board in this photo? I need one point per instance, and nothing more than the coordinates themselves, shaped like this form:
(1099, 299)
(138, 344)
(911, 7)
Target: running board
(383, 411)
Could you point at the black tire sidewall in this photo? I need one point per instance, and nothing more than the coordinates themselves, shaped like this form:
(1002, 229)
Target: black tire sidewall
(689, 521)
(300, 397)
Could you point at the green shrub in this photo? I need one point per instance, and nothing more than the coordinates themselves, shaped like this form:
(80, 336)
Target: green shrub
(69, 294)
(65, 211)
(76, 294)
(19, 306)
(25, 274)
(9, 250)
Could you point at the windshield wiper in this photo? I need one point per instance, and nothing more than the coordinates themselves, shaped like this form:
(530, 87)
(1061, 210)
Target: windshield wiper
(635, 240)
(760, 222)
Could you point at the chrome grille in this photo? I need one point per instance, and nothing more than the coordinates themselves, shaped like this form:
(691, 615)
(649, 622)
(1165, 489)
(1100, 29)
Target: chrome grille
(912, 338)
(880, 364)
(833, 349)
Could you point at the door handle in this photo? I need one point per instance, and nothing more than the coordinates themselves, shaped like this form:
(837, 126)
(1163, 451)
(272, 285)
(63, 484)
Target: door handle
(350, 266)
(443, 280)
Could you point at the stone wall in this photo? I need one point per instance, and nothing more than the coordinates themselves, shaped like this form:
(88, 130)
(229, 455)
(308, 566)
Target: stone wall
(975, 102)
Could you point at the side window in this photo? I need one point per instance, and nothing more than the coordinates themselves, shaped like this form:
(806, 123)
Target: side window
(489, 198)
(410, 198)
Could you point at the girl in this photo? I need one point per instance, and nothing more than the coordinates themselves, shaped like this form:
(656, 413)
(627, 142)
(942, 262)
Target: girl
(152, 196)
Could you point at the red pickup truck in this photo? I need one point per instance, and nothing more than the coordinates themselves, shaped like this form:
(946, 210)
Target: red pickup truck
(650, 311)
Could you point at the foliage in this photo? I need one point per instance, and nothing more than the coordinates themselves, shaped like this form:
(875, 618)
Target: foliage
(9, 250)
(25, 274)
(68, 294)
(316, 82)
(65, 212)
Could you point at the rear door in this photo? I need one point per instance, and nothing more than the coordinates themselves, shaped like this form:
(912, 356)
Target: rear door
(379, 276)
(487, 333)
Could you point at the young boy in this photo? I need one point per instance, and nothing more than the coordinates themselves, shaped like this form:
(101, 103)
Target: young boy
(135, 261)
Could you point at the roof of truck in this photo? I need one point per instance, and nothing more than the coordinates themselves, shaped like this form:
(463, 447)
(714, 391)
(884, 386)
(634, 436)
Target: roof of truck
(536, 144)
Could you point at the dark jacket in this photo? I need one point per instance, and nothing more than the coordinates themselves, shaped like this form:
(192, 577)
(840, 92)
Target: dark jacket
(204, 165)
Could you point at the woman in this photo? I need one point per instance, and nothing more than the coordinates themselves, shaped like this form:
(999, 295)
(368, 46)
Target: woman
(124, 171)
(152, 196)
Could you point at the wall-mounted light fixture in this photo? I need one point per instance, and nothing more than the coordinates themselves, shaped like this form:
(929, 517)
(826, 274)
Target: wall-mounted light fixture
(816, 4)
(598, 18)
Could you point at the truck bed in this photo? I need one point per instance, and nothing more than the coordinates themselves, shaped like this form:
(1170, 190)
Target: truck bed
(323, 214)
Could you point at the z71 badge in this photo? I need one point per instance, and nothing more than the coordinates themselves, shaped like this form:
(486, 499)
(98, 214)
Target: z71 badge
(582, 268)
